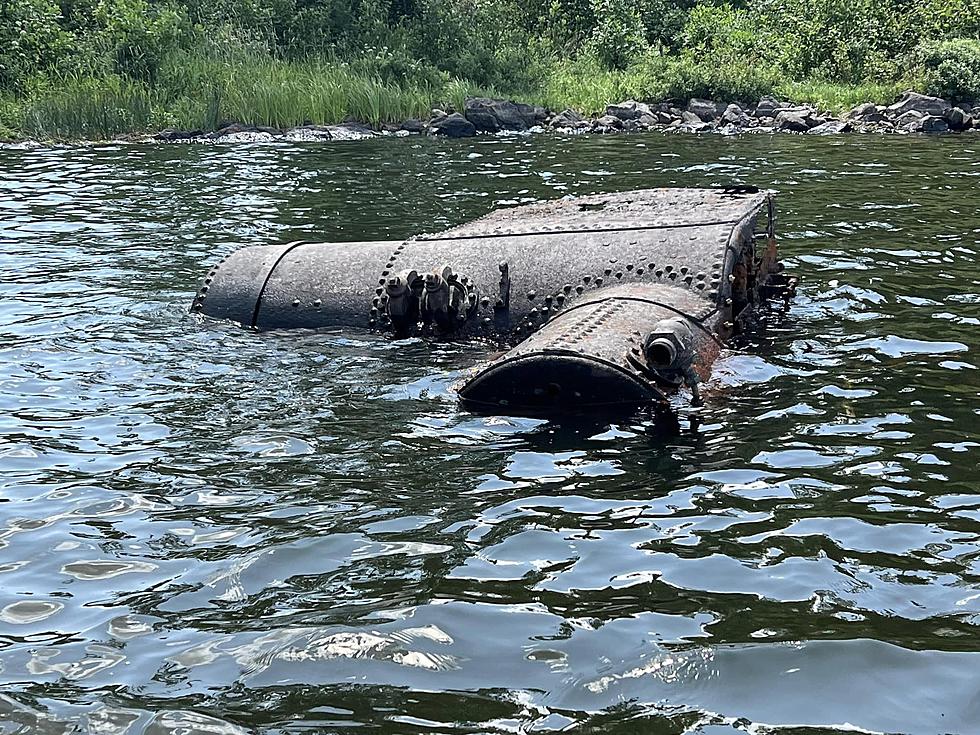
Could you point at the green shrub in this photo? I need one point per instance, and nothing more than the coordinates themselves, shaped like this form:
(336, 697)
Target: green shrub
(31, 41)
(720, 33)
(619, 37)
(952, 68)
(686, 77)
(585, 84)
(11, 117)
(664, 21)
(836, 40)
(141, 35)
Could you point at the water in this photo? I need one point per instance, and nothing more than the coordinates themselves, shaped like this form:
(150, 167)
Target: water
(207, 530)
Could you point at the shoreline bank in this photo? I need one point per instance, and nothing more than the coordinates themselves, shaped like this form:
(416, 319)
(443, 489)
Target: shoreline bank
(914, 113)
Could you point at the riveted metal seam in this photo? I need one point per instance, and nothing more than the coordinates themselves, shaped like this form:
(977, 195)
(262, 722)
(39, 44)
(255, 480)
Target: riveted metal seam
(258, 301)
(584, 230)
(689, 317)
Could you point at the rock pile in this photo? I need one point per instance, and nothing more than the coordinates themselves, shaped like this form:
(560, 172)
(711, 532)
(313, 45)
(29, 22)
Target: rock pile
(914, 113)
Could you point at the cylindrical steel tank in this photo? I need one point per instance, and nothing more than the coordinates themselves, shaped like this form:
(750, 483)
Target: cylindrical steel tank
(578, 285)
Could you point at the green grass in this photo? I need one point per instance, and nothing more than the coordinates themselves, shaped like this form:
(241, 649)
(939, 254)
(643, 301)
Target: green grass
(198, 89)
(583, 85)
(92, 109)
(839, 97)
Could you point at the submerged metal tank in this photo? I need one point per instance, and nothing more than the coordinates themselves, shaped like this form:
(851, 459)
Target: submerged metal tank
(610, 300)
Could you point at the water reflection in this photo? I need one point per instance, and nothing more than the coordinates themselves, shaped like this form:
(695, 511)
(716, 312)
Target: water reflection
(204, 529)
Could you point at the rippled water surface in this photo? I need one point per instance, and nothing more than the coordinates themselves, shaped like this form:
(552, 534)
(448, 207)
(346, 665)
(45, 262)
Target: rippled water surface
(208, 530)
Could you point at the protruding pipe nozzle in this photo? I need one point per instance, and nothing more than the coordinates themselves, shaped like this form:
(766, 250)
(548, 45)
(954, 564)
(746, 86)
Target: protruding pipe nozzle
(403, 303)
(660, 353)
(448, 299)
(669, 350)
(670, 345)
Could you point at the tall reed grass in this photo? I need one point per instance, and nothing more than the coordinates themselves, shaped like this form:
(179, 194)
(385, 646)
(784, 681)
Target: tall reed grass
(198, 91)
(200, 88)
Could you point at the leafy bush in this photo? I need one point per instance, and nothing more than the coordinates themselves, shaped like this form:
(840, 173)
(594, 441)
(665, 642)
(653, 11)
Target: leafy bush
(619, 37)
(31, 41)
(664, 21)
(685, 77)
(141, 35)
(840, 40)
(720, 33)
(952, 68)
(585, 84)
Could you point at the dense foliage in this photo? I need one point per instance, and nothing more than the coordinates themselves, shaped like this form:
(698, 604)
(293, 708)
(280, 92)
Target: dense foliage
(192, 62)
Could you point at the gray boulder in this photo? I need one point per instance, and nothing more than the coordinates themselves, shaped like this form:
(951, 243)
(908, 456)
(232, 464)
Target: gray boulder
(705, 110)
(831, 127)
(413, 126)
(797, 120)
(698, 127)
(453, 126)
(690, 118)
(867, 113)
(768, 107)
(609, 122)
(913, 101)
(933, 124)
(492, 115)
(959, 119)
(913, 122)
(567, 119)
(909, 120)
(628, 110)
(734, 115)
(171, 134)
(647, 120)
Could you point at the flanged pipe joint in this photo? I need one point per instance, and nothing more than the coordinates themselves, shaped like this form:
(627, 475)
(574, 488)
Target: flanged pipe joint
(670, 352)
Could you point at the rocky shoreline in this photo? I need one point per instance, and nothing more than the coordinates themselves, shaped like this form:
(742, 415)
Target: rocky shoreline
(913, 113)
